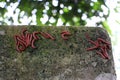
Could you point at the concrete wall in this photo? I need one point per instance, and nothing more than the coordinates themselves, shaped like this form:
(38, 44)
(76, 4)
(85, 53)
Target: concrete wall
(58, 58)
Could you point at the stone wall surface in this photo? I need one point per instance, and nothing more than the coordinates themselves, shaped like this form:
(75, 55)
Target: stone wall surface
(60, 53)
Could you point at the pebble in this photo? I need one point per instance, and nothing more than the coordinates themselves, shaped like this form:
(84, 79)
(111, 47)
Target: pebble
(94, 64)
(2, 32)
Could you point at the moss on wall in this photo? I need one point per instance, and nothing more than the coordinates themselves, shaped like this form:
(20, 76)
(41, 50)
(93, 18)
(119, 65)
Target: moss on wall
(53, 60)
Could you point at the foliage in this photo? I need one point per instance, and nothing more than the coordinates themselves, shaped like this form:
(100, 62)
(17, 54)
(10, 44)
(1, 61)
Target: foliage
(117, 10)
(107, 27)
(72, 12)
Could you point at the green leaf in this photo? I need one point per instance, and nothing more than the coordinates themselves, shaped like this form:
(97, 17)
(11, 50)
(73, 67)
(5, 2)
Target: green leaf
(96, 6)
(66, 9)
(38, 16)
(107, 27)
(117, 21)
(2, 11)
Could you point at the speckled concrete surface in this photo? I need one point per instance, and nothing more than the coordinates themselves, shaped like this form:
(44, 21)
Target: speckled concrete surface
(55, 60)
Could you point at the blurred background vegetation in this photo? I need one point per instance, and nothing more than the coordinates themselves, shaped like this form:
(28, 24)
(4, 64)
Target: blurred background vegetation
(53, 12)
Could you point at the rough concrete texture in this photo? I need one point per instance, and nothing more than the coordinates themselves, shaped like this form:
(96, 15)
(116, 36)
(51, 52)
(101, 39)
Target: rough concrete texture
(55, 60)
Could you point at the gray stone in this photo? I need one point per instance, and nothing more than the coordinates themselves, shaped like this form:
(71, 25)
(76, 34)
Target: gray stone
(105, 76)
(2, 32)
(57, 59)
(1, 79)
(94, 64)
